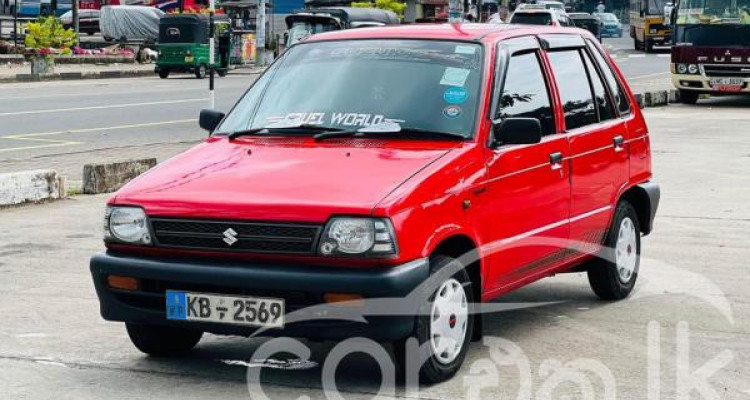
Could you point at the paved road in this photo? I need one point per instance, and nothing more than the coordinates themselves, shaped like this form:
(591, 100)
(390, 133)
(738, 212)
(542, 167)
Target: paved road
(643, 71)
(691, 297)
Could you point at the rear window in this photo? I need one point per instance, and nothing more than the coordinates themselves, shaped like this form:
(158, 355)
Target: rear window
(532, 19)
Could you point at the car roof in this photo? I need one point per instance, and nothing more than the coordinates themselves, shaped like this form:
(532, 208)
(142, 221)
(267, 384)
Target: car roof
(446, 31)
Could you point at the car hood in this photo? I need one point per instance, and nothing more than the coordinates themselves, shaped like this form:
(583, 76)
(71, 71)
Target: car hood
(279, 179)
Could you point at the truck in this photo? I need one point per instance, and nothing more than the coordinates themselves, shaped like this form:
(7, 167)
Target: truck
(711, 52)
(649, 24)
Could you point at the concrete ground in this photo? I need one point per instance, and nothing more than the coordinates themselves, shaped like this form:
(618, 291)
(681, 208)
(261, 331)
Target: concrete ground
(11, 70)
(692, 292)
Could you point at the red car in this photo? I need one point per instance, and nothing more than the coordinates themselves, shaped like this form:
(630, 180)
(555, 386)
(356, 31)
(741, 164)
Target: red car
(406, 173)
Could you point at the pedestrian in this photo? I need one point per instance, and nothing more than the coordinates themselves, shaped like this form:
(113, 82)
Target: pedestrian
(600, 7)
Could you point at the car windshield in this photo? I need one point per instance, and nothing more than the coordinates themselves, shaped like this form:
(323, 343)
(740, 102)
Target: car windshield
(532, 18)
(712, 12)
(423, 85)
(607, 17)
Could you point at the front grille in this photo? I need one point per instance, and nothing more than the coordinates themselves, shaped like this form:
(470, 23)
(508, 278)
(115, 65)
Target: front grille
(257, 237)
(727, 71)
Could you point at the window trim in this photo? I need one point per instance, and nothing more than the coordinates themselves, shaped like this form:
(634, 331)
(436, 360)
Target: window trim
(577, 50)
(583, 53)
(499, 87)
(591, 47)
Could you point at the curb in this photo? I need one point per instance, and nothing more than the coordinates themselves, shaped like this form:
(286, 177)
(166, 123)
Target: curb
(77, 75)
(105, 178)
(30, 187)
(657, 98)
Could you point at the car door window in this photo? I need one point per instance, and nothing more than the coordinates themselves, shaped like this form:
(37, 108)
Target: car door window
(575, 92)
(603, 104)
(525, 92)
(618, 93)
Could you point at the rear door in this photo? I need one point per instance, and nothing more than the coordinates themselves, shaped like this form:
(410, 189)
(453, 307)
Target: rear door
(525, 221)
(598, 152)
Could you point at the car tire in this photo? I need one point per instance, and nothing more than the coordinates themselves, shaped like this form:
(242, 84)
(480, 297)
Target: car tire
(222, 72)
(455, 294)
(613, 273)
(162, 340)
(163, 73)
(200, 72)
(637, 44)
(648, 46)
(689, 97)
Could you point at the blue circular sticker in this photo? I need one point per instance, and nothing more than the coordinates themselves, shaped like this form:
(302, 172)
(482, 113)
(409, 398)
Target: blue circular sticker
(452, 112)
(455, 95)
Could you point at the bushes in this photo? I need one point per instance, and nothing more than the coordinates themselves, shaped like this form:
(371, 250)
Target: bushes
(394, 5)
(48, 33)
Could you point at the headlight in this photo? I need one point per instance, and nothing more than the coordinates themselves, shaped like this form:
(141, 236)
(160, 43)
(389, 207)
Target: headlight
(681, 68)
(358, 236)
(693, 69)
(126, 224)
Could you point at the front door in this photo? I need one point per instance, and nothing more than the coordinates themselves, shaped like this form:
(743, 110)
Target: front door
(526, 218)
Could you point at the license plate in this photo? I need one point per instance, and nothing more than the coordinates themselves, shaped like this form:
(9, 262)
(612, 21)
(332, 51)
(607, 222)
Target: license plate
(727, 84)
(189, 59)
(237, 310)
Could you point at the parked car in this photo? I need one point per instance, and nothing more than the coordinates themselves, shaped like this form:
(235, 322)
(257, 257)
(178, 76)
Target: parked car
(540, 16)
(612, 26)
(309, 21)
(130, 23)
(591, 23)
(88, 21)
(398, 164)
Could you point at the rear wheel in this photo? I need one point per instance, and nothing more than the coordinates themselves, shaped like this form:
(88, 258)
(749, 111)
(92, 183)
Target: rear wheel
(162, 340)
(648, 46)
(688, 97)
(222, 72)
(200, 72)
(637, 44)
(612, 275)
(444, 325)
(163, 73)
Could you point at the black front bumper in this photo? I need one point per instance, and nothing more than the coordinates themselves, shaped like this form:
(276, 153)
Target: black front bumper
(300, 287)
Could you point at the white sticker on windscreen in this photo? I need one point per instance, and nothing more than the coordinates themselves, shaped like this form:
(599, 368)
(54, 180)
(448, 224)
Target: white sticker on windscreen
(454, 76)
(465, 49)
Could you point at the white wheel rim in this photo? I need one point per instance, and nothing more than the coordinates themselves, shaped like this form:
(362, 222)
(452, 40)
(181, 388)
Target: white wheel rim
(448, 321)
(626, 252)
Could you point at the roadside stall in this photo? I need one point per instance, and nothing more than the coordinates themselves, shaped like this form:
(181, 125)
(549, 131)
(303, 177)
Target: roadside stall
(243, 14)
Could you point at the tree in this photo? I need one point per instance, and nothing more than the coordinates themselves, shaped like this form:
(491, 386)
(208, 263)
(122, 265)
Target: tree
(393, 5)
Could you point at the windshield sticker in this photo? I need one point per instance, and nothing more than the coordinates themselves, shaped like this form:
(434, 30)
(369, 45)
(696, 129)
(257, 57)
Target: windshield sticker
(452, 112)
(334, 119)
(454, 76)
(465, 49)
(455, 95)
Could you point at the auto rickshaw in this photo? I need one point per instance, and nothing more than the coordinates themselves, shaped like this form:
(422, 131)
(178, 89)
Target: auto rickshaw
(183, 44)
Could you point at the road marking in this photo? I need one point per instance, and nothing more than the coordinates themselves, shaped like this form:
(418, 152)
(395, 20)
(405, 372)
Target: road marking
(105, 128)
(664, 55)
(58, 110)
(649, 75)
(47, 143)
(100, 93)
(636, 56)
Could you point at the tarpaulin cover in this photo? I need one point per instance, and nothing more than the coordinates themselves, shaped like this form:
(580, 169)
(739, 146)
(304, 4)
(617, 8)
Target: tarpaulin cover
(134, 23)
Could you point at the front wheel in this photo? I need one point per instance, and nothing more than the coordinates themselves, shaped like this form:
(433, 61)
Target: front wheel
(162, 340)
(163, 73)
(688, 97)
(613, 273)
(444, 326)
(222, 72)
(200, 73)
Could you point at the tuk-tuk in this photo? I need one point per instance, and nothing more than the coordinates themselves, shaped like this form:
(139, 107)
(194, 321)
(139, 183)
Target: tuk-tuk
(183, 44)
(589, 22)
(306, 22)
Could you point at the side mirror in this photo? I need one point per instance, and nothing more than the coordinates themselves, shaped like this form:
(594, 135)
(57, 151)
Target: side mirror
(516, 131)
(209, 119)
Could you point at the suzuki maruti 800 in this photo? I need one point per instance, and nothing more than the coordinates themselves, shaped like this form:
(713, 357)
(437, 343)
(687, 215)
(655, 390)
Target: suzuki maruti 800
(361, 165)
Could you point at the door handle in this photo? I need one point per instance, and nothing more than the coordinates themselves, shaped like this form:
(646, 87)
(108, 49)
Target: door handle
(618, 142)
(555, 160)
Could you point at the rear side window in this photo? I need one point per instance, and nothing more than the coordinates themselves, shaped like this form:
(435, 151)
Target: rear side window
(525, 92)
(603, 103)
(532, 19)
(618, 93)
(575, 92)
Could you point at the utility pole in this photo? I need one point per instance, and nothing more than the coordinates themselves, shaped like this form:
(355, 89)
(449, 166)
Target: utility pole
(211, 37)
(454, 11)
(15, 22)
(260, 34)
(76, 20)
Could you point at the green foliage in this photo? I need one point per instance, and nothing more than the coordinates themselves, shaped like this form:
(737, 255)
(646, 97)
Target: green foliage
(394, 5)
(48, 32)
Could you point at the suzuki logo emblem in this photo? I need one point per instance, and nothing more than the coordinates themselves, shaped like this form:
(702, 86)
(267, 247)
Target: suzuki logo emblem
(230, 236)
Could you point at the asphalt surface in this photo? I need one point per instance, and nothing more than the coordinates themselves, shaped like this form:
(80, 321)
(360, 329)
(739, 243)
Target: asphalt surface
(692, 287)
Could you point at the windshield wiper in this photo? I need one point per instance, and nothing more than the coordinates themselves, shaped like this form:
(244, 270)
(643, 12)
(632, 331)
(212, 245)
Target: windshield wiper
(272, 129)
(387, 128)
